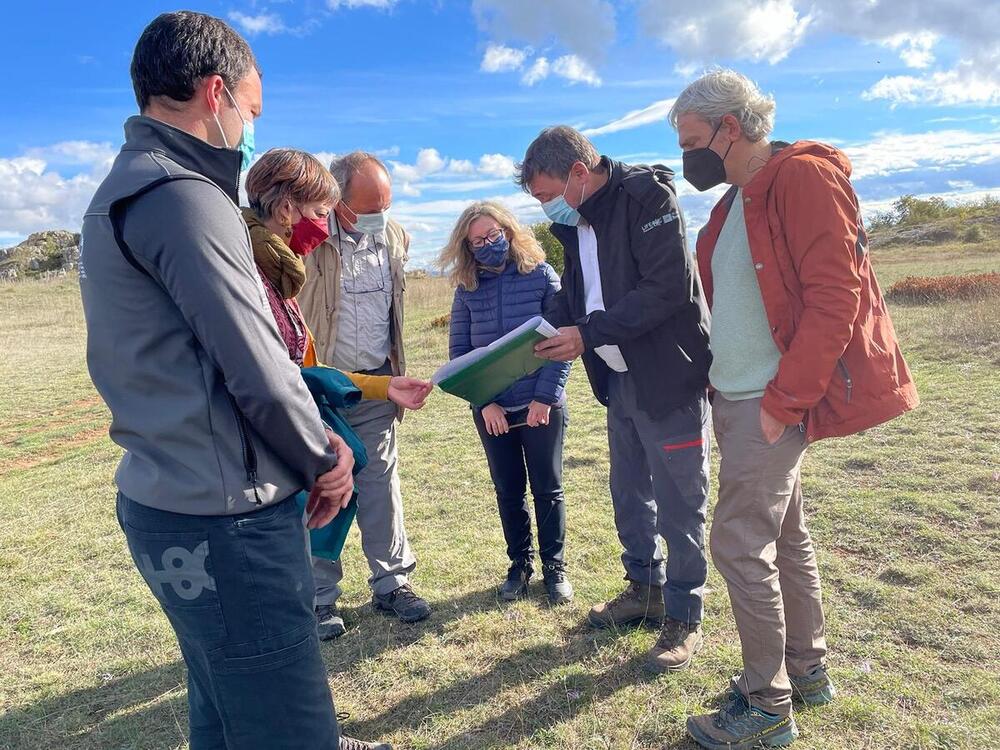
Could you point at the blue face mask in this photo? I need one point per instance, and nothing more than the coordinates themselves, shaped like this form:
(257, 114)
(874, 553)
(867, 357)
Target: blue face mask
(371, 223)
(492, 255)
(246, 145)
(560, 212)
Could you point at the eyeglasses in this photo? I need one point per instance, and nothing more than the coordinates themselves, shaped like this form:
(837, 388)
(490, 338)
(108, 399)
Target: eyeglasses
(489, 239)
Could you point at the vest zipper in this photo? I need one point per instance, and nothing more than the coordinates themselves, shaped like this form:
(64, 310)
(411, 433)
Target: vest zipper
(249, 454)
(848, 383)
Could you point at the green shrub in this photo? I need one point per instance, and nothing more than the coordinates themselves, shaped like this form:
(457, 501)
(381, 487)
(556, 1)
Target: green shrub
(553, 248)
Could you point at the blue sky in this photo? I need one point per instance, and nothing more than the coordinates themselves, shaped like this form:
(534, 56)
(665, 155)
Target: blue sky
(450, 93)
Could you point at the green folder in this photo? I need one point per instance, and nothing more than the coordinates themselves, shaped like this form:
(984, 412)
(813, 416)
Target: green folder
(485, 373)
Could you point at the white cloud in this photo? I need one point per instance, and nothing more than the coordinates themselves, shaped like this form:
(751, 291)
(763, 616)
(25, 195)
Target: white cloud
(768, 30)
(655, 112)
(575, 70)
(585, 27)
(34, 197)
(88, 153)
(496, 165)
(743, 29)
(501, 59)
(262, 23)
(461, 166)
(538, 71)
(940, 150)
(967, 83)
(569, 67)
(916, 50)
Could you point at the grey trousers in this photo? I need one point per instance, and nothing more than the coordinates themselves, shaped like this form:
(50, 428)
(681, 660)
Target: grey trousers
(380, 509)
(659, 488)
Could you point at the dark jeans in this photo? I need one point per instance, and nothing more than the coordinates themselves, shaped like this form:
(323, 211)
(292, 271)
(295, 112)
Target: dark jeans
(238, 591)
(523, 455)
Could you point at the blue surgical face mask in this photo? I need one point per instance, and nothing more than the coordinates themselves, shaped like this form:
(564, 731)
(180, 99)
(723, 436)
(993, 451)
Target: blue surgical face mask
(371, 223)
(368, 223)
(492, 255)
(559, 211)
(246, 145)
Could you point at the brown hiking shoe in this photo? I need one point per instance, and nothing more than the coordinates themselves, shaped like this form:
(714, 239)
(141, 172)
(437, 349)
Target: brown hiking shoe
(676, 646)
(638, 603)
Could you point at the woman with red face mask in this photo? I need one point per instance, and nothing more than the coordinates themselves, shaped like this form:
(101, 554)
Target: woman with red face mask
(291, 195)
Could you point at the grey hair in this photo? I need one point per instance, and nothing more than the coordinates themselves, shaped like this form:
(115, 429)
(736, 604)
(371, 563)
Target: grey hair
(345, 167)
(723, 92)
(554, 152)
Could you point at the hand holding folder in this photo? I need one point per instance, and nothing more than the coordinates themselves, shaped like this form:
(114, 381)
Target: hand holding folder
(486, 372)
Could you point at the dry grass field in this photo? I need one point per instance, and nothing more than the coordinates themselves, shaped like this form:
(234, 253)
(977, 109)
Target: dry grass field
(906, 519)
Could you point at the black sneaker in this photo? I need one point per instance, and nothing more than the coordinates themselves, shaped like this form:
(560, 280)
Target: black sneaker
(516, 585)
(557, 586)
(403, 603)
(329, 623)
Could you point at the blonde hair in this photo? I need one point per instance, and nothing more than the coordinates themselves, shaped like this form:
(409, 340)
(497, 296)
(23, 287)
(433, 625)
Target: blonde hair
(457, 259)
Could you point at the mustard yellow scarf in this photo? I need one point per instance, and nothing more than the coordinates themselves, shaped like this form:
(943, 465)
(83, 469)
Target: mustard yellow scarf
(275, 258)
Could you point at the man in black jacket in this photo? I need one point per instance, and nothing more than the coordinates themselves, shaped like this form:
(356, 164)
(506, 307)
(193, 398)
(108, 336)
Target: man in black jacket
(632, 306)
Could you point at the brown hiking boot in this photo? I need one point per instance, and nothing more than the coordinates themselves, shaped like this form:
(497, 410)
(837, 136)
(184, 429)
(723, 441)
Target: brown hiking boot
(638, 603)
(676, 646)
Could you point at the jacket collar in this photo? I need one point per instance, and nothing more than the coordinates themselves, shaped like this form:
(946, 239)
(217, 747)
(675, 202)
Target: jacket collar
(598, 203)
(220, 165)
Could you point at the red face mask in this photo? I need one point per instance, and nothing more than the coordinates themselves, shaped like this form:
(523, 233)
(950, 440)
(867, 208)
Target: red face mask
(307, 235)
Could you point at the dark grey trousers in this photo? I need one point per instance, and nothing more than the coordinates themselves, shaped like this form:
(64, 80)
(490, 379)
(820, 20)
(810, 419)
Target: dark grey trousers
(659, 488)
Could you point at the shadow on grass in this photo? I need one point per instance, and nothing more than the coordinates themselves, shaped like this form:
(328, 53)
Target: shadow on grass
(569, 694)
(142, 710)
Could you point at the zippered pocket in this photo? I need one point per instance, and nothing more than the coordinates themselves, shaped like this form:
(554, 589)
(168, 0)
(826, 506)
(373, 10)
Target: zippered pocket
(249, 453)
(846, 375)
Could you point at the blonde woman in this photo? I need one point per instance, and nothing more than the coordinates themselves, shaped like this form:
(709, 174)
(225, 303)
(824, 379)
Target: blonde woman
(502, 280)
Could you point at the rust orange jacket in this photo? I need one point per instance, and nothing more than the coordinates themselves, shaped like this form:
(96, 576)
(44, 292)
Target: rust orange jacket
(841, 369)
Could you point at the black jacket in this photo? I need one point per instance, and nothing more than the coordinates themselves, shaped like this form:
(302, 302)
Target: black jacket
(655, 313)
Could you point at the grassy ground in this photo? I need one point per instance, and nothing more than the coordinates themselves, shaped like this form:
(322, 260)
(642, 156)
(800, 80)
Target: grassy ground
(905, 518)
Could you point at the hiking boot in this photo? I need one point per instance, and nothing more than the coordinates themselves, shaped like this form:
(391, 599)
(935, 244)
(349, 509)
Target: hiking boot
(516, 585)
(403, 603)
(557, 586)
(349, 743)
(813, 689)
(329, 623)
(676, 646)
(639, 603)
(739, 726)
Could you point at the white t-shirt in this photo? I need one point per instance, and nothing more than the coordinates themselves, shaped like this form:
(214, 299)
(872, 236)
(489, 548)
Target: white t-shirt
(593, 294)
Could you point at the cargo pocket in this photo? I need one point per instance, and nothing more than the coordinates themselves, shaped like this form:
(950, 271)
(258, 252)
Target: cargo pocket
(275, 692)
(686, 458)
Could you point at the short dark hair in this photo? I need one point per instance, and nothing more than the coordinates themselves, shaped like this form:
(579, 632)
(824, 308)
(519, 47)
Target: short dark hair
(178, 49)
(554, 152)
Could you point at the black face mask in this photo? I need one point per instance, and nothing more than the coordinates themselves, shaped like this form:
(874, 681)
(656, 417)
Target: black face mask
(704, 168)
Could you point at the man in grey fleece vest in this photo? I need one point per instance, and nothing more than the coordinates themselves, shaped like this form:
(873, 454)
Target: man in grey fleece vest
(218, 428)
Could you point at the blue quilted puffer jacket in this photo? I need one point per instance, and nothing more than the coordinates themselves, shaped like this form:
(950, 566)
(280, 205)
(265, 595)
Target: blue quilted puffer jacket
(501, 303)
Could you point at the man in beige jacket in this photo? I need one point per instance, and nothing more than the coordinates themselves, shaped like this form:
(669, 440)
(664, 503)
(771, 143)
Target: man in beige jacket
(353, 303)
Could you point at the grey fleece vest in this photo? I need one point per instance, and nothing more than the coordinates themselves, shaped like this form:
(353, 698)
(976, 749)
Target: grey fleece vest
(188, 446)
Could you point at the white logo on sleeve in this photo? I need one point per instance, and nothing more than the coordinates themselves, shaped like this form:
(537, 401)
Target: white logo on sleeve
(659, 221)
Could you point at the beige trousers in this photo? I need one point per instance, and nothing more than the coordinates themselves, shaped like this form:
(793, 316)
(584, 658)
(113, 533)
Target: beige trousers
(761, 547)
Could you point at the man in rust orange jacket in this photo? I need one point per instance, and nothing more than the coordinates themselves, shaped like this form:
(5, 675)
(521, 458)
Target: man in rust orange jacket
(803, 349)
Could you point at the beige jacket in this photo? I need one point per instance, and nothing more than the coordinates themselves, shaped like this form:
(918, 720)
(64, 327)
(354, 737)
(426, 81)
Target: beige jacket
(321, 294)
